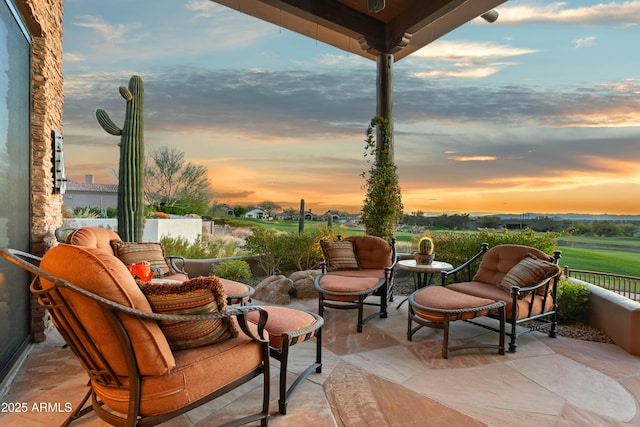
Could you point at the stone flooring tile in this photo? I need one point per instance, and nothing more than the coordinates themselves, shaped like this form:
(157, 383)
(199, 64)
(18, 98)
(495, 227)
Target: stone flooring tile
(580, 385)
(360, 399)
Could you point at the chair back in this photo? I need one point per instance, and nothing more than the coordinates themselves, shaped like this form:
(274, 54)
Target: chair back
(373, 252)
(93, 237)
(110, 346)
(497, 261)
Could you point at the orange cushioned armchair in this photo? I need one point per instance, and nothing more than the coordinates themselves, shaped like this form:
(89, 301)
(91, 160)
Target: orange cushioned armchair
(135, 376)
(525, 278)
(354, 269)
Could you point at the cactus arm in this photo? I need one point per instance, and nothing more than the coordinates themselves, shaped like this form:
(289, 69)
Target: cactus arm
(126, 93)
(107, 124)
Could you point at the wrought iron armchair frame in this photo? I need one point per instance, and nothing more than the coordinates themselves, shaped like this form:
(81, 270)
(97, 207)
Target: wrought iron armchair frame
(383, 288)
(547, 319)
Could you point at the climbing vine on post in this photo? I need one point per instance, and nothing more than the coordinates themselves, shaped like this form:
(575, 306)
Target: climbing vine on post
(382, 207)
(131, 168)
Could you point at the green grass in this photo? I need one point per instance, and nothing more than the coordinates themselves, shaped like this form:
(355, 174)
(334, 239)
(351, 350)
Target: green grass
(623, 241)
(292, 227)
(614, 261)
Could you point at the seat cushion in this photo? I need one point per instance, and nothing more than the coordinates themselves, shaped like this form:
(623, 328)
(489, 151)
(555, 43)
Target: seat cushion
(93, 237)
(203, 295)
(497, 261)
(492, 292)
(132, 252)
(103, 274)
(282, 320)
(198, 372)
(441, 298)
(528, 271)
(351, 283)
(372, 252)
(339, 254)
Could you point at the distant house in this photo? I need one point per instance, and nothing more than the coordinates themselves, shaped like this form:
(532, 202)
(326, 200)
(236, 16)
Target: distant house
(89, 194)
(256, 213)
(354, 218)
(225, 210)
(308, 216)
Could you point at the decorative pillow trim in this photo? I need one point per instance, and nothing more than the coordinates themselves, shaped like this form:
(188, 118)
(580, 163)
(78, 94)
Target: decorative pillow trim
(528, 272)
(339, 254)
(131, 252)
(202, 295)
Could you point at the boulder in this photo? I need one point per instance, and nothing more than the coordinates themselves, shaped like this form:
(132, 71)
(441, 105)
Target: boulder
(303, 287)
(275, 290)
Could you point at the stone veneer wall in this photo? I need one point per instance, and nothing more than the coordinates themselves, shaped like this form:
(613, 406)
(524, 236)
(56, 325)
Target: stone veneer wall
(44, 21)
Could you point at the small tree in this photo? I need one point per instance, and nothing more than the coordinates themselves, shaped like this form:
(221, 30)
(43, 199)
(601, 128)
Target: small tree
(240, 210)
(171, 181)
(269, 206)
(382, 208)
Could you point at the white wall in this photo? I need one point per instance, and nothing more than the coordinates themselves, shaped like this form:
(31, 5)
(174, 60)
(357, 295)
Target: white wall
(188, 228)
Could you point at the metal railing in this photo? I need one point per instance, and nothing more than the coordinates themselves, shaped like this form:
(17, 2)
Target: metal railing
(627, 286)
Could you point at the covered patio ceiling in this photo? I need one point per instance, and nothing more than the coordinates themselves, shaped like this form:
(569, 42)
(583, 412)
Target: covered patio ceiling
(400, 28)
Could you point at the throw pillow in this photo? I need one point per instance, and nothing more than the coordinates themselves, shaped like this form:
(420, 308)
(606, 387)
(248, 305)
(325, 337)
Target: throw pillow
(132, 252)
(203, 295)
(339, 254)
(528, 272)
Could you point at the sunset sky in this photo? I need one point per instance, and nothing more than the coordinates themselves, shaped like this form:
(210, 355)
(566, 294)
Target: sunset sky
(537, 112)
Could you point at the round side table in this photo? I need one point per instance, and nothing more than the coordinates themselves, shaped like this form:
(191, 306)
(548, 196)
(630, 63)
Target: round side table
(423, 272)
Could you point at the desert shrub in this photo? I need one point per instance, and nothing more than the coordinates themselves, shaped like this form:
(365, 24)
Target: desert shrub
(270, 247)
(304, 251)
(277, 250)
(199, 249)
(175, 210)
(455, 248)
(233, 269)
(573, 302)
(86, 212)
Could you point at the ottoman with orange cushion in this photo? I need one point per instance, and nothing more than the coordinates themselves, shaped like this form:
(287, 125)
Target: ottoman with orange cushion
(437, 306)
(237, 293)
(287, 327)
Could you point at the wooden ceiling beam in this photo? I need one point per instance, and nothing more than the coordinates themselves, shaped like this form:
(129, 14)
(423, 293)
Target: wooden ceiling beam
(338, 16)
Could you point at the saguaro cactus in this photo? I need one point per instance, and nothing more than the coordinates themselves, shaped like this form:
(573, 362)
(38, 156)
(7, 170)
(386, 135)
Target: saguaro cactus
(131, 168)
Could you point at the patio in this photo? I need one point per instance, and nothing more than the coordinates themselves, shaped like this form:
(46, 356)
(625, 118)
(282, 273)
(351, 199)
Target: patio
(379, 378)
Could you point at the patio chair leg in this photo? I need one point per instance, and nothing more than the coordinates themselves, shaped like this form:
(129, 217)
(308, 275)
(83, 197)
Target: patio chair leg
(383, 304)
(512, 343)
(79, 411)
(360, 312)
(445, 339)
(554, 324)
(319, 351)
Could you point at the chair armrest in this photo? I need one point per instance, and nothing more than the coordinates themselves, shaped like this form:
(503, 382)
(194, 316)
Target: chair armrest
(172, 259)
(323, 266)
(465, 266)
(62, 233)
(516, 290)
